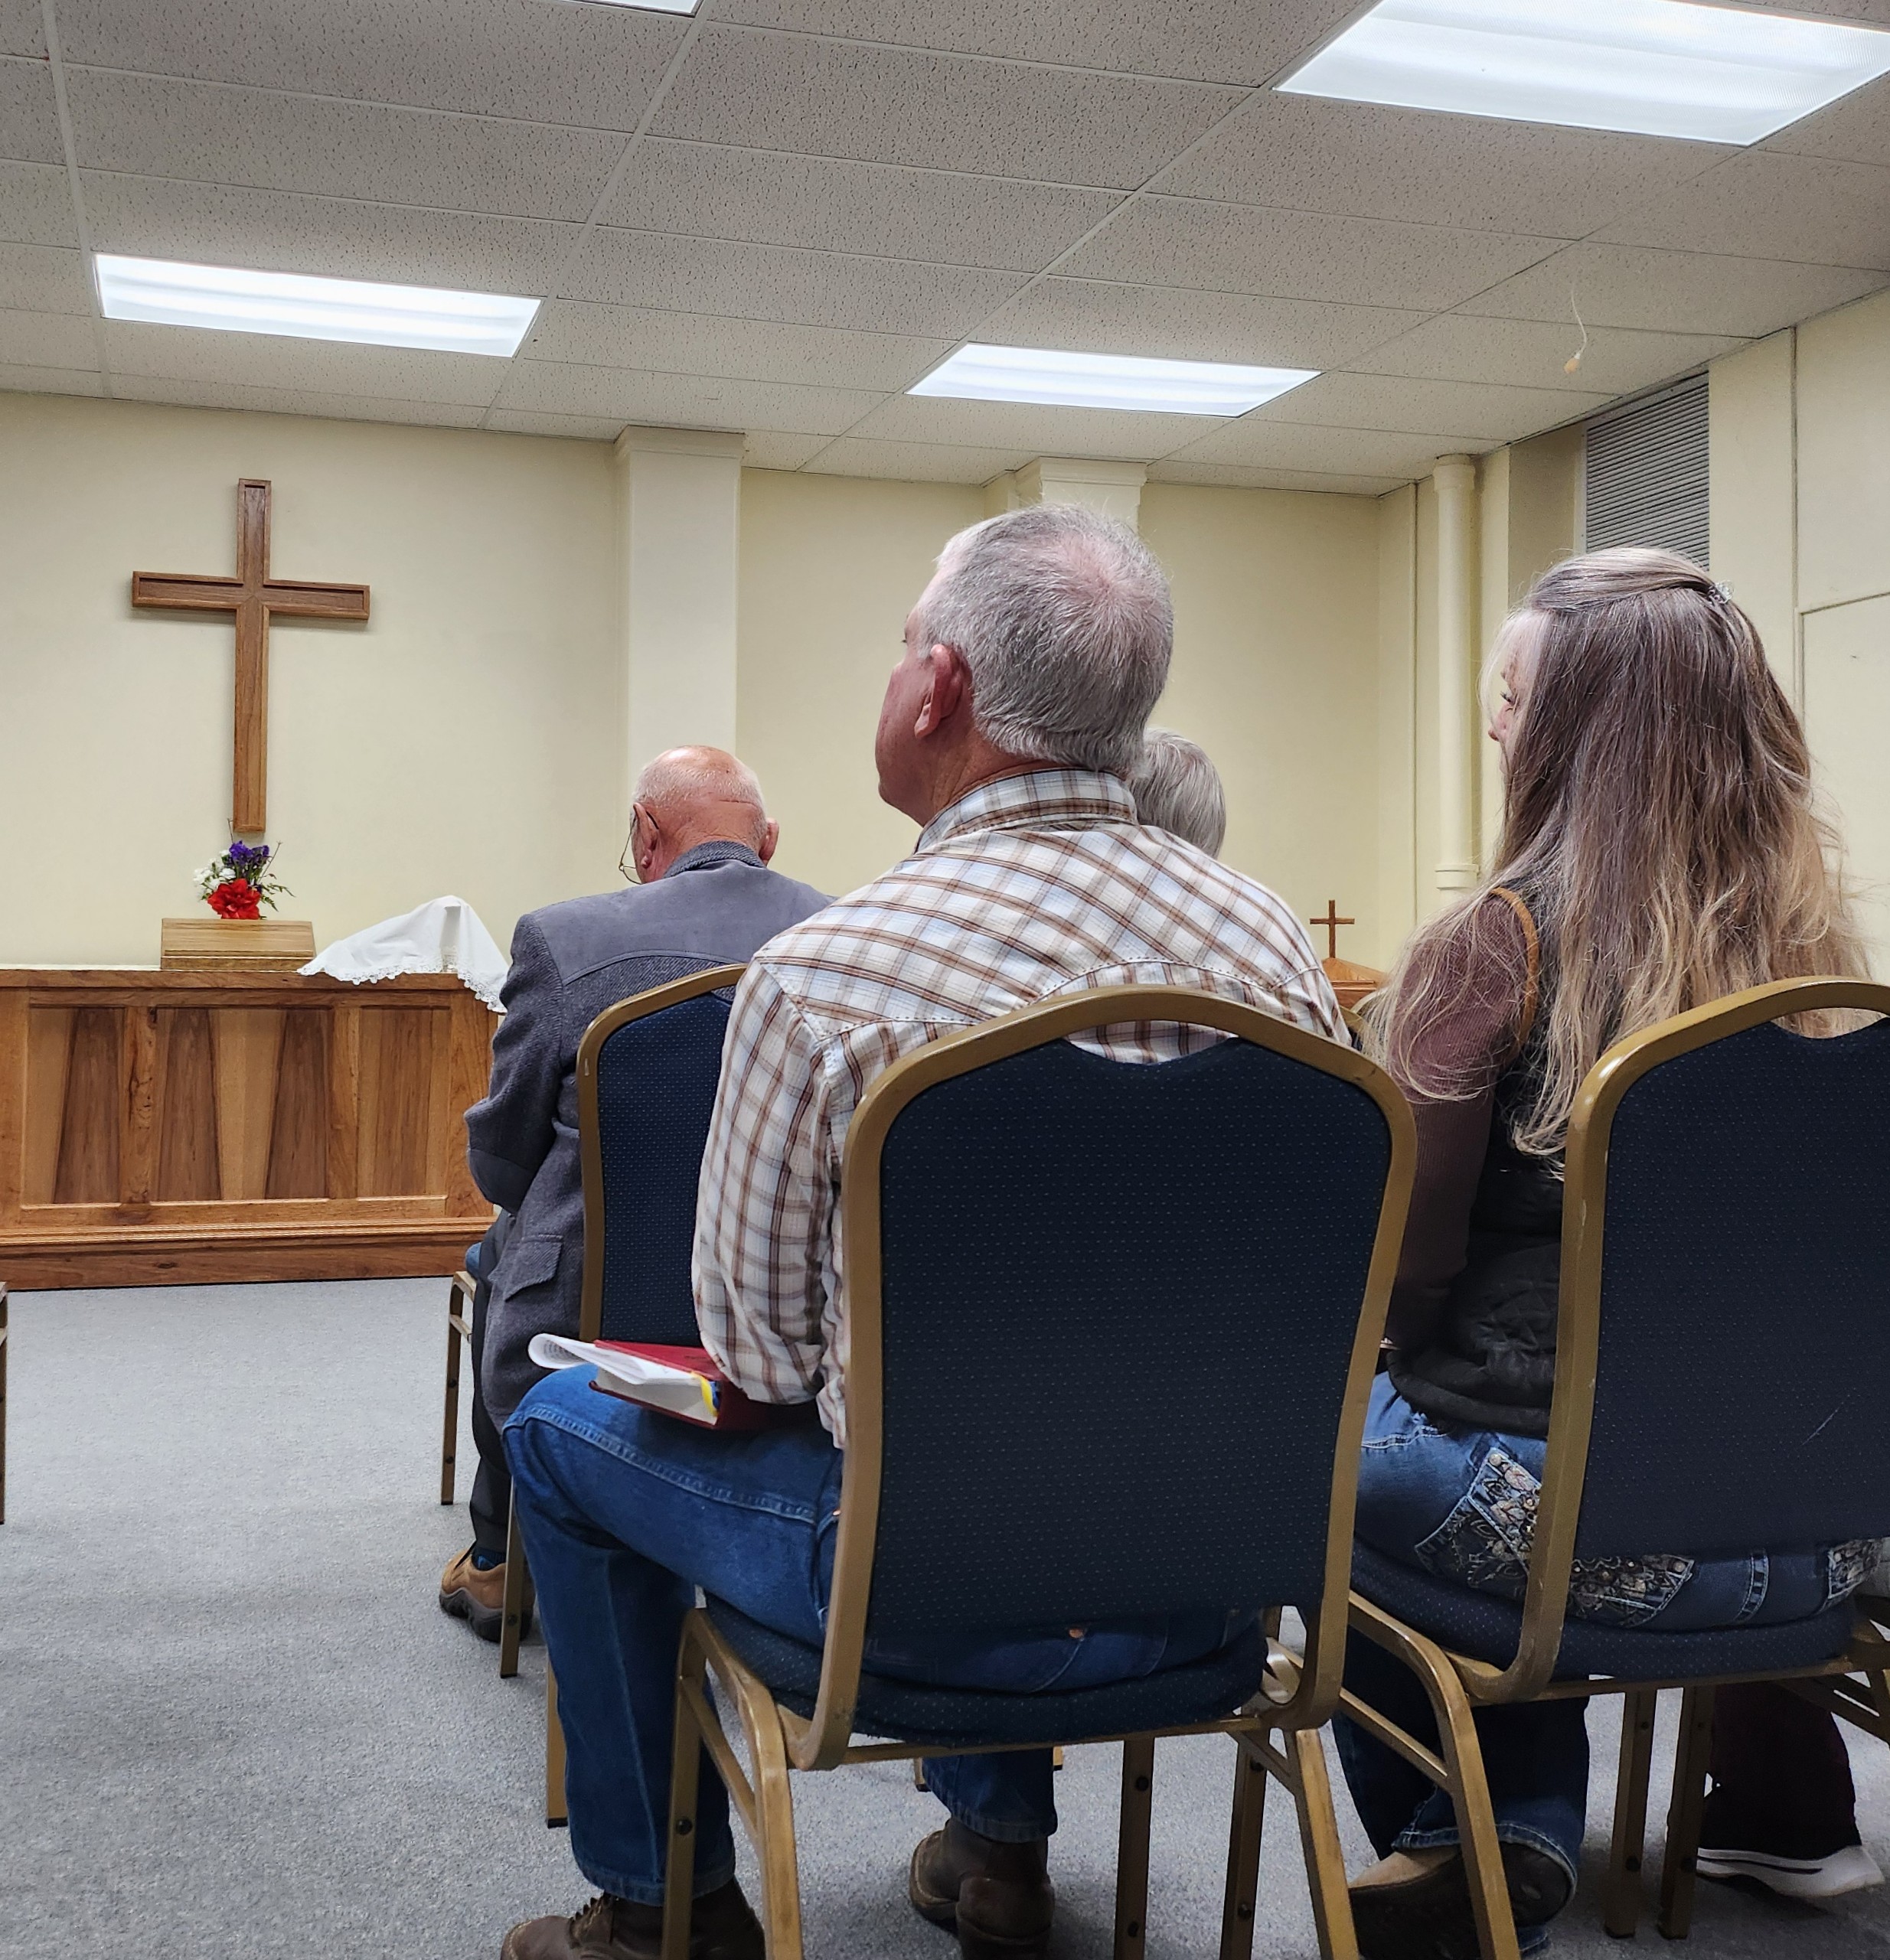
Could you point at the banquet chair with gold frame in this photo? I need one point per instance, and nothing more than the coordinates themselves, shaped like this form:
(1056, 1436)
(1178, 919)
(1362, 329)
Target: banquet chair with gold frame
(1129, 1312)
(1723, 1364)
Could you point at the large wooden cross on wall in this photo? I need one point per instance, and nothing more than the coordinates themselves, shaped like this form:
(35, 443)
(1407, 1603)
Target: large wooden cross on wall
(253, 596)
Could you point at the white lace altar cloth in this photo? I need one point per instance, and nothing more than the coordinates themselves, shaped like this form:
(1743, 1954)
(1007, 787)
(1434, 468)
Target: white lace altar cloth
(443, 936)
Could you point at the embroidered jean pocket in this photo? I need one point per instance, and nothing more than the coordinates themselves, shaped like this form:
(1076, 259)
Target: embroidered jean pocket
(1484, 1543)
(1848, 1565)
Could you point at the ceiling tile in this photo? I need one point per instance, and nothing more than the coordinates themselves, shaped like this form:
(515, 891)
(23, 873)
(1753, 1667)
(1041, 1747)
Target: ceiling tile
(1766, 205)
(1288, 445)
(1838, 10)
(780, 449)
(686, 401)
(46, 340)
(916, 462)
(1529, 353)
(584, 428)
(1036, 430)
(50, 380)
(1856, 127)
(272, 361)
(22, 27)
(834, 204)
(1232, 476)
(1299, 255)
(291, 401)
(771, 282)
(29, 115)
(216, 225)
(1368, 161)
(1209, 41)
(1175, 324)
(36, 205)
(43, 279)
(1681, 293)
(1485, 411)
(739, 349)
(594, 67)
(786, 92)
(153, 125)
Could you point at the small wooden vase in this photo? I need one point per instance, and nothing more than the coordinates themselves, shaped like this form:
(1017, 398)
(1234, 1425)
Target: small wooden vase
(236, 945)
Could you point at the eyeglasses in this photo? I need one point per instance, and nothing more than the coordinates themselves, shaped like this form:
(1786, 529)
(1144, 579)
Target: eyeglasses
(626, 863)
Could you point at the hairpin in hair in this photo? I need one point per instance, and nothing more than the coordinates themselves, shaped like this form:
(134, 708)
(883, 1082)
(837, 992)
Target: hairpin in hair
(1720, 592)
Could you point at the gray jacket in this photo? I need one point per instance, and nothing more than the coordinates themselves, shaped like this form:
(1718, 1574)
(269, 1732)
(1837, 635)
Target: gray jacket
(716, 905)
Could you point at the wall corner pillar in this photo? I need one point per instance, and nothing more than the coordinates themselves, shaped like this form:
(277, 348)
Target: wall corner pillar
(1114, 488)
(1454, 478)
(679, 525)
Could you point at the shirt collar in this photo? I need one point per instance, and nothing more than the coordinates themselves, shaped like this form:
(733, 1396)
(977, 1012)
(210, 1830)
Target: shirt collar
(718, 850)
(1055, 799)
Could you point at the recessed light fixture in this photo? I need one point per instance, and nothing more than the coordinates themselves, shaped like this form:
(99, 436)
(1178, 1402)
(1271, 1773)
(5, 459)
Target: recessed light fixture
(1716, 74)
(239, 301)
(1106, 381)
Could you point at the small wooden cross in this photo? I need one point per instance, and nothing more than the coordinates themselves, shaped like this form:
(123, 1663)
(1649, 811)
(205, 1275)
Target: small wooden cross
(1332, 922)
(253, 596)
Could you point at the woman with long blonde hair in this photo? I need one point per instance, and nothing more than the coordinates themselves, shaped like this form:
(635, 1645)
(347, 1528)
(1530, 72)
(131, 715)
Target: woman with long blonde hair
(1660, 847)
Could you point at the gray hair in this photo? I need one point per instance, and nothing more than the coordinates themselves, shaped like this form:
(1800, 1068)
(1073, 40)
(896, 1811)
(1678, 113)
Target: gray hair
(1063, 618)
(1176, 788)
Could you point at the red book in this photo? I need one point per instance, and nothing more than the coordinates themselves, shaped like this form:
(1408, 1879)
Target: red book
(683, 1382)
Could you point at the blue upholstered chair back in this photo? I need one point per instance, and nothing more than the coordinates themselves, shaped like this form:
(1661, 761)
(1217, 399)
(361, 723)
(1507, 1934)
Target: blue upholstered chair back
(1118, 1304)
(656, 1084)
(1742, 1399)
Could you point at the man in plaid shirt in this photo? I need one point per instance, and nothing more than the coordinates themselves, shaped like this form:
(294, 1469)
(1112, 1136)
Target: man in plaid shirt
(1031, 663)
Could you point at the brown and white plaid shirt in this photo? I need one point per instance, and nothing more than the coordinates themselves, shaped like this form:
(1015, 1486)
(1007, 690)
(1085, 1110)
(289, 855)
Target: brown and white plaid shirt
(1031, 886)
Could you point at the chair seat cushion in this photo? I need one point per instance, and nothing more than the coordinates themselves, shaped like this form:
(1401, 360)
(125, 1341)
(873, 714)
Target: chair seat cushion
(1488, 1628)
(905, 1711)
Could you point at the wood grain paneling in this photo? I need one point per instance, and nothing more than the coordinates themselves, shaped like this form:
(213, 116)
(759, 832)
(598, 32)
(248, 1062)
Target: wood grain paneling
(95, 1089)
(48, 1056)
(396, 1068)
(172, 1126)
(298, 1141)
(186, 1107)
(247, 1042)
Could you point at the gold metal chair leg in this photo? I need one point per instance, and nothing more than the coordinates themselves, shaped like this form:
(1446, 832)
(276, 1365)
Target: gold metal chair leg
(517, 1593)
(1475, 1818)
(1621, 1902)
(449, 1428)
(918, 1773)
(557, 1812)
(1678, 1867)
(679, 1877)
(774, 1845)
(1243, 1855)
(1325, 1855)
(1131, 1856)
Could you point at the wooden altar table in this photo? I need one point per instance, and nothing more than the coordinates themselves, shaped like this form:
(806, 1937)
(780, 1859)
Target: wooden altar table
(164, 1128)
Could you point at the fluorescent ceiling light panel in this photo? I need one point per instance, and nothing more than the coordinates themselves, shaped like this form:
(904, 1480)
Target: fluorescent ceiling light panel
(1656, 67)
(238, 301)
(1106, 381)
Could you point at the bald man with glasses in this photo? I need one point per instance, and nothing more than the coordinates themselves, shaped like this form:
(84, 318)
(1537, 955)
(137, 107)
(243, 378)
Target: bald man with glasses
(700, 840)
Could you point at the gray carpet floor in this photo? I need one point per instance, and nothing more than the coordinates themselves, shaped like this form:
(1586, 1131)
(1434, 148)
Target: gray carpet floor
(235, 1726)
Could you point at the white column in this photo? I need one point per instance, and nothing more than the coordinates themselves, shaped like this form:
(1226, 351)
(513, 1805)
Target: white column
(679, 512)
(1455, 480)
(1115, 489)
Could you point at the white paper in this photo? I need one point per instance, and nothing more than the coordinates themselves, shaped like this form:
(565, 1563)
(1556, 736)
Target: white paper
(678, 1389)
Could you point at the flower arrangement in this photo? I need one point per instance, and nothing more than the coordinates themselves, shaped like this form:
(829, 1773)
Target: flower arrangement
(239, 883)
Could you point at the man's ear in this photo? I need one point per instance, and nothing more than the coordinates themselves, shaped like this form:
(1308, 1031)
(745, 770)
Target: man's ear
(948, 692)
(770, 836)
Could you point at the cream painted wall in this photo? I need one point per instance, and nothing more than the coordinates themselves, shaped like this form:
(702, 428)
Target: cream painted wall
(830, 568)
(1800, 457)
(1276, 675)
(468, 739)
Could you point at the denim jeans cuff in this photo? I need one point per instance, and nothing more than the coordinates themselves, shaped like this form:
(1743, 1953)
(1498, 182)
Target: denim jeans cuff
(1005, 1830)
(1506, 1834)
(640, 1894)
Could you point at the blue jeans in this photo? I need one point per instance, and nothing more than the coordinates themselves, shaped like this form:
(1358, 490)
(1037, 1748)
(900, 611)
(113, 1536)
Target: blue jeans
(625, 1513)
(1460, 1505)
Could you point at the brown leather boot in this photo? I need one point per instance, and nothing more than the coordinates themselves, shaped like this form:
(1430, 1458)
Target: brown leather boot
(998, 1896)
(722, 1927)
(470, 1594)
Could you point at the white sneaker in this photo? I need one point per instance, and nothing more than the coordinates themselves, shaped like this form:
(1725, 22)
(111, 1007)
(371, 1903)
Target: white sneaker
(1850, 1870)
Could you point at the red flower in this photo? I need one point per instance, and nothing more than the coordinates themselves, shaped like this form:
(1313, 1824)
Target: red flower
(236, 898)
